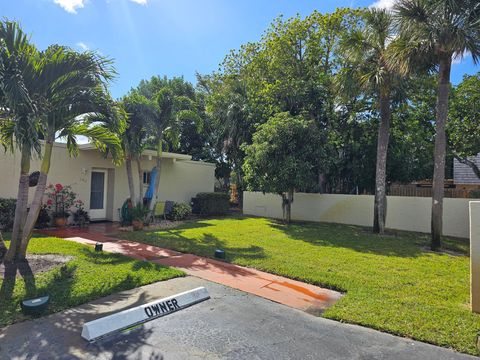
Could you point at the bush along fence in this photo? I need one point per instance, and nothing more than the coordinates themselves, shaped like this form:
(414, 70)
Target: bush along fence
(403, 213)
(211, 203)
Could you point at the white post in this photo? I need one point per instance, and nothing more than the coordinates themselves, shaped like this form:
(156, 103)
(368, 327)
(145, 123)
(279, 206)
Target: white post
(475, 255)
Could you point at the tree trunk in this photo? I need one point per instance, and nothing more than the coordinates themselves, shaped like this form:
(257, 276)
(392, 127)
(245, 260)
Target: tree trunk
(322, 182)
(157, 178)
(20, 208)
(37, 197)
(131, 187)
(380, 205)
(140, 181)
(289, 206)
(440, 149)
(239, 187)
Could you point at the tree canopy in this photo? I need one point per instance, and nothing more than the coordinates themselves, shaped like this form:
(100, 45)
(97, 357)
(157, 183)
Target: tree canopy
(283, 156)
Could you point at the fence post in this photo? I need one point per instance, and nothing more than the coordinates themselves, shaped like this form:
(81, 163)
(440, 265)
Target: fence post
(475, 255)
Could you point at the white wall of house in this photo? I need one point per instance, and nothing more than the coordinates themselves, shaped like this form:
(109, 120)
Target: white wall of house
(403, 213)
(180, 180)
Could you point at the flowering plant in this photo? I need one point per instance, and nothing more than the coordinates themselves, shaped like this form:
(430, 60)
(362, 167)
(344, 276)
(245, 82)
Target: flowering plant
(60, 199)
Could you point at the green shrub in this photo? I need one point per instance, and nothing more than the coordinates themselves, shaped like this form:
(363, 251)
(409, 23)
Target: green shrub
(214, 203)
(43, 220)
(140, 213)
(180, 211)
(7, 213)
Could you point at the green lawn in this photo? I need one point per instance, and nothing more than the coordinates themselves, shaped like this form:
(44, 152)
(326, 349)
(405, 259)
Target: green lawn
(392, 283)
(89, 275)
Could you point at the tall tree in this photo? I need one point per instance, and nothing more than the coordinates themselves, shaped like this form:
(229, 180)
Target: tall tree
(67, 91)
(171, 111)
(228, 106)
(282, 157)
(18, 112)
(367, 49)
(433, 32)
(140, 112)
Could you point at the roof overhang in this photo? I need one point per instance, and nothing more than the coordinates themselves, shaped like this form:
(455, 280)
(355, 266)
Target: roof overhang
(166, 155)
(149, 153)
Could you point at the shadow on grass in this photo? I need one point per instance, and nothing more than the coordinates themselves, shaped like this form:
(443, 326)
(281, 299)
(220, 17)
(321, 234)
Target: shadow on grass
(10, 279)
(202, 246)
(356, 238)
(103, 258)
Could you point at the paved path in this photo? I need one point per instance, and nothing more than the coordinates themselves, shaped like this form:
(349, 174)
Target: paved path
(296, 294)
(231, 325)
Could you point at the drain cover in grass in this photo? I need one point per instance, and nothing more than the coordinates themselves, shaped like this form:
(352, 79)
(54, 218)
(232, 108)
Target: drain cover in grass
(35, 306)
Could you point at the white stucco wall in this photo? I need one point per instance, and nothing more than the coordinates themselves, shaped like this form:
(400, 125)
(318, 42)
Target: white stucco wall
(403, 213)
(180, 179)
(475, 255)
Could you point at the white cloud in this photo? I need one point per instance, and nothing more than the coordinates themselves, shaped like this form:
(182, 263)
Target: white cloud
(459, 58)
(82, 46)
(70, 6)
(383, 4)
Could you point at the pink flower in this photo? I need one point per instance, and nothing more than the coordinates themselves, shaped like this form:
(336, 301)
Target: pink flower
(49, 202)
(59, 187)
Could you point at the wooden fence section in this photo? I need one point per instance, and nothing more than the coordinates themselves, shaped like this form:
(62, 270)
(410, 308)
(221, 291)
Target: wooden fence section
(418, 191)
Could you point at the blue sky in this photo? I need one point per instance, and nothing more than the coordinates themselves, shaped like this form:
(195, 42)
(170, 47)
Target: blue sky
(164, 37)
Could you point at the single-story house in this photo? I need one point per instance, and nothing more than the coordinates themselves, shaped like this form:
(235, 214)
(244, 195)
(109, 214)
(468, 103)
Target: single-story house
(103, 186)
(463, 174)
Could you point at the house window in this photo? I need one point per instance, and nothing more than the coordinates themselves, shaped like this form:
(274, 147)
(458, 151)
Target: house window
(146, 177)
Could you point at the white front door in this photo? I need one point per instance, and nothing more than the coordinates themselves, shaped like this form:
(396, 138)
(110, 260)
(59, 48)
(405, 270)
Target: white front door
(98, 194)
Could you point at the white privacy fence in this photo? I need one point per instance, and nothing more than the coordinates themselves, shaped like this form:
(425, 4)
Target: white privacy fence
(403, 213)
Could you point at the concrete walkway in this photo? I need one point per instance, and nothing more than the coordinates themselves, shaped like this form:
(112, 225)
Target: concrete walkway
(231, 325)
(296, 294)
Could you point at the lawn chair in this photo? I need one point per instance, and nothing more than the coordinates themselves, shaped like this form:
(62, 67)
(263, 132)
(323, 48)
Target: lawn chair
(162, 209)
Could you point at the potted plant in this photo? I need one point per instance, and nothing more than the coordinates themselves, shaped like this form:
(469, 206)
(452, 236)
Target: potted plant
(60, 199)
(80, 215)
(139, 216)
(60, 218)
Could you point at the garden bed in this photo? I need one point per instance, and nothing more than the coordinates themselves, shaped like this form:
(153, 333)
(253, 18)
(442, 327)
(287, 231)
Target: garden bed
(37, 263)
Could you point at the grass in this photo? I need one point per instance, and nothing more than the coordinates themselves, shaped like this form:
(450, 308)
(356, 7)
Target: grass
(392, 283)
(88, 276)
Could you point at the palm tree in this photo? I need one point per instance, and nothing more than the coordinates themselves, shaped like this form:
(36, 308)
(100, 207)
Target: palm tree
(74, 101)
(432, 33)
(17, 111)
(228, 106)
(170, 110)
(366, 51)
(140, 112)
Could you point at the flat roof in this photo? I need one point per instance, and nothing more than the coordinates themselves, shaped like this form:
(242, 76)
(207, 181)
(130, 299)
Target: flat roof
(152, 153)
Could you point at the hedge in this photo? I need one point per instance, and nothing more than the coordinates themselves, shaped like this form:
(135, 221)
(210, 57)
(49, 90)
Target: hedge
(7, 213)
(211, 203)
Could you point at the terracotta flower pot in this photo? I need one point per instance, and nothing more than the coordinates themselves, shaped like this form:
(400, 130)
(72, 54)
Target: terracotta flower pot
(137, 225)
(60, 222)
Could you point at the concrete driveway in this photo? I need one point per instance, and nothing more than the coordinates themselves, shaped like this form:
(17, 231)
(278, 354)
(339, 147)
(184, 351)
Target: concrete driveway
(231, 325)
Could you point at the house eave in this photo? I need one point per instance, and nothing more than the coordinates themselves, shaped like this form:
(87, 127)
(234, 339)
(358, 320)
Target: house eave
(149, 153)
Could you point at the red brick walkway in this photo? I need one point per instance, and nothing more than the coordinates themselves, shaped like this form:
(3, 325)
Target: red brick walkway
(289, 292)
